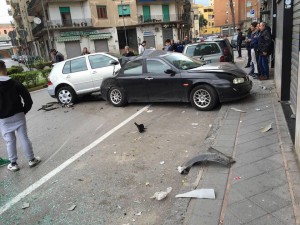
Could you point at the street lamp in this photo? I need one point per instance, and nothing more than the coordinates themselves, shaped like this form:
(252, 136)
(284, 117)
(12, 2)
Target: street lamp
(123, 9)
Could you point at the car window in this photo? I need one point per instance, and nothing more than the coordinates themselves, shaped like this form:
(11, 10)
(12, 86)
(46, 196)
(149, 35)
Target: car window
(99, 61)
(183, 62)
(78, 65)
(67, 67)
(154, 66)
(133, 68)
(203, 49)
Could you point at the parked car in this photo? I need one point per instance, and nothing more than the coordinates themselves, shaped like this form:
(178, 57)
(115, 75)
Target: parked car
(158, 76)
(234, 42)
(14, 57)
(218, 50)
(22, 58)
(81, 75)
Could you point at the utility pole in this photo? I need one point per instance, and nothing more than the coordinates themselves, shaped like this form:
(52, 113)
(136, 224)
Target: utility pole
(232, 14)
(47, 27)
(124, 23)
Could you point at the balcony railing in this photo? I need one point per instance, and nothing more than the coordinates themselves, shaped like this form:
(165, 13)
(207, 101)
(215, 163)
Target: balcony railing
(159, 18)
(70, 23)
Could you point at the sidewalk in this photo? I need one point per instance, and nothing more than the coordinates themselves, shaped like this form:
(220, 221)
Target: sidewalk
(262, 187)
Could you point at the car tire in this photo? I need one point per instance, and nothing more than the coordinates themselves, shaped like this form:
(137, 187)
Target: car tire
(66, 95)
(204, 97)
(117, 97)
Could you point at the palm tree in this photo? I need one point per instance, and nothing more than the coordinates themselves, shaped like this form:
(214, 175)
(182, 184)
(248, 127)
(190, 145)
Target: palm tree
(232, 14)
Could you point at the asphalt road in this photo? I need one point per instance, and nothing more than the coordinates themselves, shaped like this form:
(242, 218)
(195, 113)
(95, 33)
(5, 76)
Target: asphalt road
(110, 181)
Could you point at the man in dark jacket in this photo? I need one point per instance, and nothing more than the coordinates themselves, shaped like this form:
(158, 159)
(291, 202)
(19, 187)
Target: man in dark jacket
(248, 40)
(58, 57)
(239, 43)
(15, 102)
(264, 50)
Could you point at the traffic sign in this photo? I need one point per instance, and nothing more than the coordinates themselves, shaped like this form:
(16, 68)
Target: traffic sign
(252, 11)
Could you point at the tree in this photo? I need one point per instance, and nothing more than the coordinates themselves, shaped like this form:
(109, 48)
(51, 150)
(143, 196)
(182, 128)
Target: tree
(202, 21)
(232, 14)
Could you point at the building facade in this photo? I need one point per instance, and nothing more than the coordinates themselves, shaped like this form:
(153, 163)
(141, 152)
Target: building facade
(106, 25)
(208, 14)
(5, 41)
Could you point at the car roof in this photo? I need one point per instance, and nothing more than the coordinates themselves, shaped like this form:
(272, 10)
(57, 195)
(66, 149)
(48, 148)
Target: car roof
(200, 43)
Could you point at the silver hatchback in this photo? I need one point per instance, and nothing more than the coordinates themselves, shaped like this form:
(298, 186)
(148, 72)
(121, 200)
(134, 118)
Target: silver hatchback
(81, 75)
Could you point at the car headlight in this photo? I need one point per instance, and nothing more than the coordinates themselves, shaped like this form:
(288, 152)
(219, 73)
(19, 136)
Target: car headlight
(238, 80)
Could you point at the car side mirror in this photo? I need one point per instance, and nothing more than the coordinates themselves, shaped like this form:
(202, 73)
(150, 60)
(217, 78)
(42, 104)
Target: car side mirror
(171, 72)
(113, 62)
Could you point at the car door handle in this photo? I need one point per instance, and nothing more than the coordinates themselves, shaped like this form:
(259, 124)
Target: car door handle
(149, 78)
(94, 72)
(68, 76)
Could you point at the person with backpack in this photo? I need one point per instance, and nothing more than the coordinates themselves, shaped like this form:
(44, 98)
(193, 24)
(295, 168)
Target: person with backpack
(264, 50)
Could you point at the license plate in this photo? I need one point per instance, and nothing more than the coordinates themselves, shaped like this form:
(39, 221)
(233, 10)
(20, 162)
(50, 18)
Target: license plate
(207, 61)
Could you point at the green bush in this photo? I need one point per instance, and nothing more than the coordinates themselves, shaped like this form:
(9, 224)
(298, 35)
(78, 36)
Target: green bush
(44, 73)
(18, 76)
(31, 78)
(40, 64)
(14, 69)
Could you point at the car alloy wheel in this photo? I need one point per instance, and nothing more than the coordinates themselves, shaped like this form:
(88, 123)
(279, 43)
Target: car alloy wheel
(117, 96)
(204, 97)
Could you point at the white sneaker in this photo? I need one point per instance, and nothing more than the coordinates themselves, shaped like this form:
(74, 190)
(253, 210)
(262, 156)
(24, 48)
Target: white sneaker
(34, 161)
(13, 167)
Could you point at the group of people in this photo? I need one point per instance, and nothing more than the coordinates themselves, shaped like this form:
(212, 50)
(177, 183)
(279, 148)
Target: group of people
(259, 46)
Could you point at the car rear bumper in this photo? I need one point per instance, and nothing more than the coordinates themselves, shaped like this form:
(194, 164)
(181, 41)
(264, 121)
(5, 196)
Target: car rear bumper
(235, 92)
(51, 91)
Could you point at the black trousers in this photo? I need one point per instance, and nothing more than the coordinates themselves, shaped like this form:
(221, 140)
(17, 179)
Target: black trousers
(239, 49)
(249, 57)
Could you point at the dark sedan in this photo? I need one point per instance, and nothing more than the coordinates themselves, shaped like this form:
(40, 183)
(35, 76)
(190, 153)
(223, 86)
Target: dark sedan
(158, 76)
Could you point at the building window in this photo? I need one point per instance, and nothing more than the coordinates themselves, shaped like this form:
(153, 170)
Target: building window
(5, 32)
(124, 10)
(65, 14)
(213, 24)
(101, 12)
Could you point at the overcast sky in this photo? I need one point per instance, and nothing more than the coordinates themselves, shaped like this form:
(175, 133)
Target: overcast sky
(4, 17)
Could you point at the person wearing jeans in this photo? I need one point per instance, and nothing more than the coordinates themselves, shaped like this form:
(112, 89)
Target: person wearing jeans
(15, 103)
(253, 45)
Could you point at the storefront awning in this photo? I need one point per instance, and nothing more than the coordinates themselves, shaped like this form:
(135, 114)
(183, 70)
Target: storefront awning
(100, 36)
(68, 38)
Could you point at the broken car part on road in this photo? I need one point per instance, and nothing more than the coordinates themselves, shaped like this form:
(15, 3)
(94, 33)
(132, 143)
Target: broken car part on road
(213, 156)
(198, 193)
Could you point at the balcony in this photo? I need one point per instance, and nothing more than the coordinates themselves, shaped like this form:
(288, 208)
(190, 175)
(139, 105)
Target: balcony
(62, 24)
(159, 19)
(37, 29)
(9, 12)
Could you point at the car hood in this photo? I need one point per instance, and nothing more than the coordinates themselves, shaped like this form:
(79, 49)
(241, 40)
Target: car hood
(222, 68)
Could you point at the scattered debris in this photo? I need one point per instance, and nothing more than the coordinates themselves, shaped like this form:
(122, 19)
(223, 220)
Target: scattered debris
(147, 184)
(149, 111)
(4, 161)
(237, 178)
(137, 202)
(161, 195)
(238, 110)
(162, 162)
(139, 214)
(198, 193)
(51, 106)
(213, 156)
(140, 127)
(258, 109)
(210, 125)
(54, 182)
(293, 116)
(72, 208)
(115, 152)
(79, 179)
(183, 111)
(194, 124)
(25, 205)
(265, 88)
(119, 207)
(267, 128)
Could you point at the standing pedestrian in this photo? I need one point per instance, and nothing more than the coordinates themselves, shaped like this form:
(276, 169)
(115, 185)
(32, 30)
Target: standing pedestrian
(15, 103)
(239, 43)
(85, 51)
(142, 47)
(264, 50)
(254, 49)
(186, 41)
(127, 52)
(168, 46)
(248, 40)
(58, 57)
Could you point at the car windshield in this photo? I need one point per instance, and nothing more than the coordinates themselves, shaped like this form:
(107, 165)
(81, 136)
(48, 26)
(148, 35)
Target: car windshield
(182, 62)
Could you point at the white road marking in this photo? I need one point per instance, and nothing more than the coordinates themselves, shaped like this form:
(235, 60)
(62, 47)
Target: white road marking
(58, 169)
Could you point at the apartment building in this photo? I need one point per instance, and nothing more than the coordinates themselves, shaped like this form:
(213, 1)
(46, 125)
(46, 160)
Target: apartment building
(245, 11)
(106, 25)
(5, 41)
(208, 14)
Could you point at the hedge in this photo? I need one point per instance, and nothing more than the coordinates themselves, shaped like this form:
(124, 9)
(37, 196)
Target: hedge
(14, 70)
(31, 78)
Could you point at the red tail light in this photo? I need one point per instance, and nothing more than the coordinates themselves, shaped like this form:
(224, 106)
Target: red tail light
(222, 58)
(49, 82)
